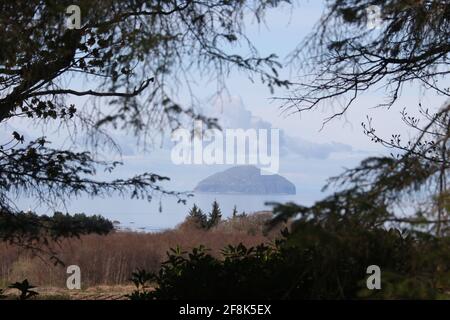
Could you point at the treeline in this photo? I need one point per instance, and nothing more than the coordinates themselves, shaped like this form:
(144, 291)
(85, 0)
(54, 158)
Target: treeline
(325, 255)
(109, 259)
(201, 220)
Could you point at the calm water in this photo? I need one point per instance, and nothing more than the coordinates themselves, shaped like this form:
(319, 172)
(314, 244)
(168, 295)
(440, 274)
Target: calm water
(167, 213)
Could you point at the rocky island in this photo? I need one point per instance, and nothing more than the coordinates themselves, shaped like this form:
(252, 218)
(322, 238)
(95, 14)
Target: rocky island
(245, 180)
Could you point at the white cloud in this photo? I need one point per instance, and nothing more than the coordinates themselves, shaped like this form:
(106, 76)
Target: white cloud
(233, 114)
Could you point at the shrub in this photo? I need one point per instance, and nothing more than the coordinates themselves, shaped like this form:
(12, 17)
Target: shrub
(110, 259)
(310, 263)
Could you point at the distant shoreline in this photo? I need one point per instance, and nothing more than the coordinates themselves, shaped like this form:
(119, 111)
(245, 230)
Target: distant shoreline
(245, 194)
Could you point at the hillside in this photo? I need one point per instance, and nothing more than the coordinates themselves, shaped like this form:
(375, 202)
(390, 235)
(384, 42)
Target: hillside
(245, 180)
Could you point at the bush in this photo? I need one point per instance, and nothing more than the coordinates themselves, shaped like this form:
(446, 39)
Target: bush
(110, 259)
(310, 263)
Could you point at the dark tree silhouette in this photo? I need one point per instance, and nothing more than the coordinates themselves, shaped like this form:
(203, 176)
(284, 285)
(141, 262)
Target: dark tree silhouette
(214, 216)
(235, 212)
(132, 56)
(343, 58)
(198, 217)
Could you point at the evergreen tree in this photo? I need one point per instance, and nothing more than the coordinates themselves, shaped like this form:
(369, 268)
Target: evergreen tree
(215, 215)
(235, 212)
(198, 217)
(343, 60)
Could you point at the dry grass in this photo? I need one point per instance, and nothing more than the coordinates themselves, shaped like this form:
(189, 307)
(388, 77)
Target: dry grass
(118, 292)
(110, 260)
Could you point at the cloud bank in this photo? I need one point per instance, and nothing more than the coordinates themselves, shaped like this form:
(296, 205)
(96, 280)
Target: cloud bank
(233, 114)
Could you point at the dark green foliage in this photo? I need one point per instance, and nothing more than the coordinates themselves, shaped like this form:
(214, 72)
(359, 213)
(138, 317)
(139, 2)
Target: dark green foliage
(197, 216)
(311, 264)
(350, 207)
(325, 255)
(203, 221)
(214, 216)
(30, 225)
(36, 232)
(142, 280)
(25, 289)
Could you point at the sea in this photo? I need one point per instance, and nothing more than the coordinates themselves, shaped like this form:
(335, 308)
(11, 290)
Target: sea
(166, 213)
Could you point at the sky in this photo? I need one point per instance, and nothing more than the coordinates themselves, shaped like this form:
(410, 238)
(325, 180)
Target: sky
(309, 152)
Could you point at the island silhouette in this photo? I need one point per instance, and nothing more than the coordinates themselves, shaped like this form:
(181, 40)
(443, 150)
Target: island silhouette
(245, 179)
